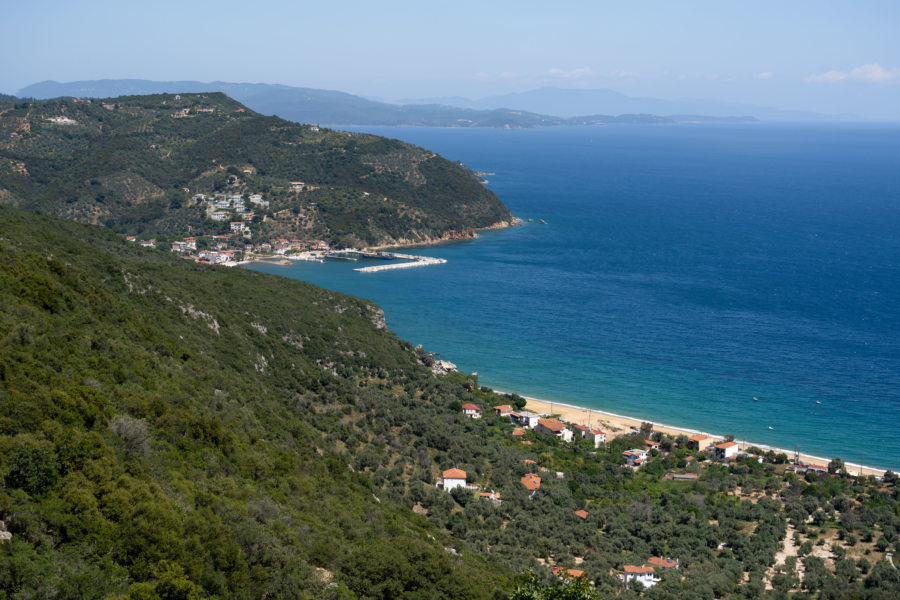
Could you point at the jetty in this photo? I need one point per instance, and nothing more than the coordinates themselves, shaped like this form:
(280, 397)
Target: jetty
(411, 261)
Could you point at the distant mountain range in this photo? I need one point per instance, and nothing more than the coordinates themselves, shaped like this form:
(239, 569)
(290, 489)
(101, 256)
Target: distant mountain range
(308, 105)
(569, 103)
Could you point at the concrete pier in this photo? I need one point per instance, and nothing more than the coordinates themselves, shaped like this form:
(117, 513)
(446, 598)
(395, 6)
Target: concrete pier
(415, 261)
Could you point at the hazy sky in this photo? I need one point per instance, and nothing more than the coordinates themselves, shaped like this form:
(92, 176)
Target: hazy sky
(831, 56)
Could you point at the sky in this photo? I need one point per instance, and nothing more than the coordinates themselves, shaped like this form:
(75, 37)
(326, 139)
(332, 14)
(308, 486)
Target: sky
(822, 55)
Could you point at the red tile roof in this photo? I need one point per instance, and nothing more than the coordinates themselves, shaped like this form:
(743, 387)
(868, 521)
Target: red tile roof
(582, 513)
(531, 481)
(573, 573)
(664, 563)
(470, 406)
(641, 569)
(552, 424)
(454, 474)
(518, 432)
(724, 445)
(698, 438)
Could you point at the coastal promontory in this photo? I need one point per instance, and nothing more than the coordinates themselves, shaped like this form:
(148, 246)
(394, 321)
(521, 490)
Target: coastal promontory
(169, 166)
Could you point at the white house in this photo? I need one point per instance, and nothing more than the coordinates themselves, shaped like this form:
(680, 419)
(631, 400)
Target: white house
(472, 411)
(237, 225)
(644, 574)
(454, 478)
(592, 434)
(554, 427)
(635, 457)
(726, 450)
(524, 418)
(503, 410)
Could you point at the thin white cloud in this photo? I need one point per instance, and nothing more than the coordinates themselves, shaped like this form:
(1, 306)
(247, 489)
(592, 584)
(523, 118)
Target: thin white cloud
(577, 73)
(764, 75)
(871, 73)
(507, 75)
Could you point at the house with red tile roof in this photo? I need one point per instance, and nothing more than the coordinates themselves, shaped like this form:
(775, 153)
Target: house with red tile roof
(518, 432)
(531, 482)
(700, 442)
(635, 457)
(524, 418)
(554, 427)
(726, 450)
(582, 513)
(644, 574)
(454, 478)
(503, 410)
(472, 411)
(592, 434)
(567, 574)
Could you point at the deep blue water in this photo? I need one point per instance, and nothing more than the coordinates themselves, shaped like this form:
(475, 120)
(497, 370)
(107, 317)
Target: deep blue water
(682, 271)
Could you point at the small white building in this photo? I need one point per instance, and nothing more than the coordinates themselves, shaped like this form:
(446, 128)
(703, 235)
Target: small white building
(635, 457)
(644, 574)
(471, 410)
(524, 418)
(592, 434)
(726, 450)
(554, 427)
(237, 225)
(454, 478)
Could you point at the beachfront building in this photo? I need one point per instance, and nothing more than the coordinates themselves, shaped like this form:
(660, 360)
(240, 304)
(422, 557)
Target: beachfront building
(503, 410)
(644, 574)
(591, 434)
(524, 418)
(554, 427)
(472, 411)
(726, 450)
(635, 457)
(700, 442)
(454, 478)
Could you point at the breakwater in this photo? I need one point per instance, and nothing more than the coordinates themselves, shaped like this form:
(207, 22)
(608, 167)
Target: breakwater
(412, 261)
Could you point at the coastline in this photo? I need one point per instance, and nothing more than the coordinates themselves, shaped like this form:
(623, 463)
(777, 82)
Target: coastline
(449, 237)
(616, 424)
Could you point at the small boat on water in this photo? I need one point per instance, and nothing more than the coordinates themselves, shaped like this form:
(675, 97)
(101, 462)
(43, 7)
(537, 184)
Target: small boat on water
(755, 399)
(770, 427)
(818, 402)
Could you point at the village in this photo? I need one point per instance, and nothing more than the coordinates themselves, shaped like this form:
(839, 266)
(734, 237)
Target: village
(237, 248)
(695, 451)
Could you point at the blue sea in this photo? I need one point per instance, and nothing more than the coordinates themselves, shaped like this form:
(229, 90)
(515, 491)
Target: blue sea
(682, 272)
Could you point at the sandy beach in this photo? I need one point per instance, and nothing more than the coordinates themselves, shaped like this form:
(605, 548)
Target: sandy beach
(614, 425)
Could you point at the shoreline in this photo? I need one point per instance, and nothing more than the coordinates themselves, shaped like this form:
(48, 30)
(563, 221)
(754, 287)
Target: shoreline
(621, 424)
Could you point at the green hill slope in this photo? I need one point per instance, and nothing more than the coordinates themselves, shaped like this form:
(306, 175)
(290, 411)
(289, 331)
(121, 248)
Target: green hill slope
(161, 427)
(138, 163)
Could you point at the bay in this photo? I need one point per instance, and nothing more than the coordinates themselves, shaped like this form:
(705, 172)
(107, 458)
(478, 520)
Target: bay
(682, 271)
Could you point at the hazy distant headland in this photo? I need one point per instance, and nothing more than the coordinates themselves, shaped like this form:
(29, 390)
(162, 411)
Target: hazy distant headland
(515, 111)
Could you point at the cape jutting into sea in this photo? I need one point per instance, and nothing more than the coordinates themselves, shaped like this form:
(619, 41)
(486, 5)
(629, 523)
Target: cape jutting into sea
(736, 279)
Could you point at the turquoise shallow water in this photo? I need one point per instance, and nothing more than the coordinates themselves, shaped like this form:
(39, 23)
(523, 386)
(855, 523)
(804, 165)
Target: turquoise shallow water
(682, 272)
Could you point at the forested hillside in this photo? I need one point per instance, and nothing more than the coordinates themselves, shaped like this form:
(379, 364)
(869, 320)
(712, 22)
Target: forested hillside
(148, 165)
(172, 430)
